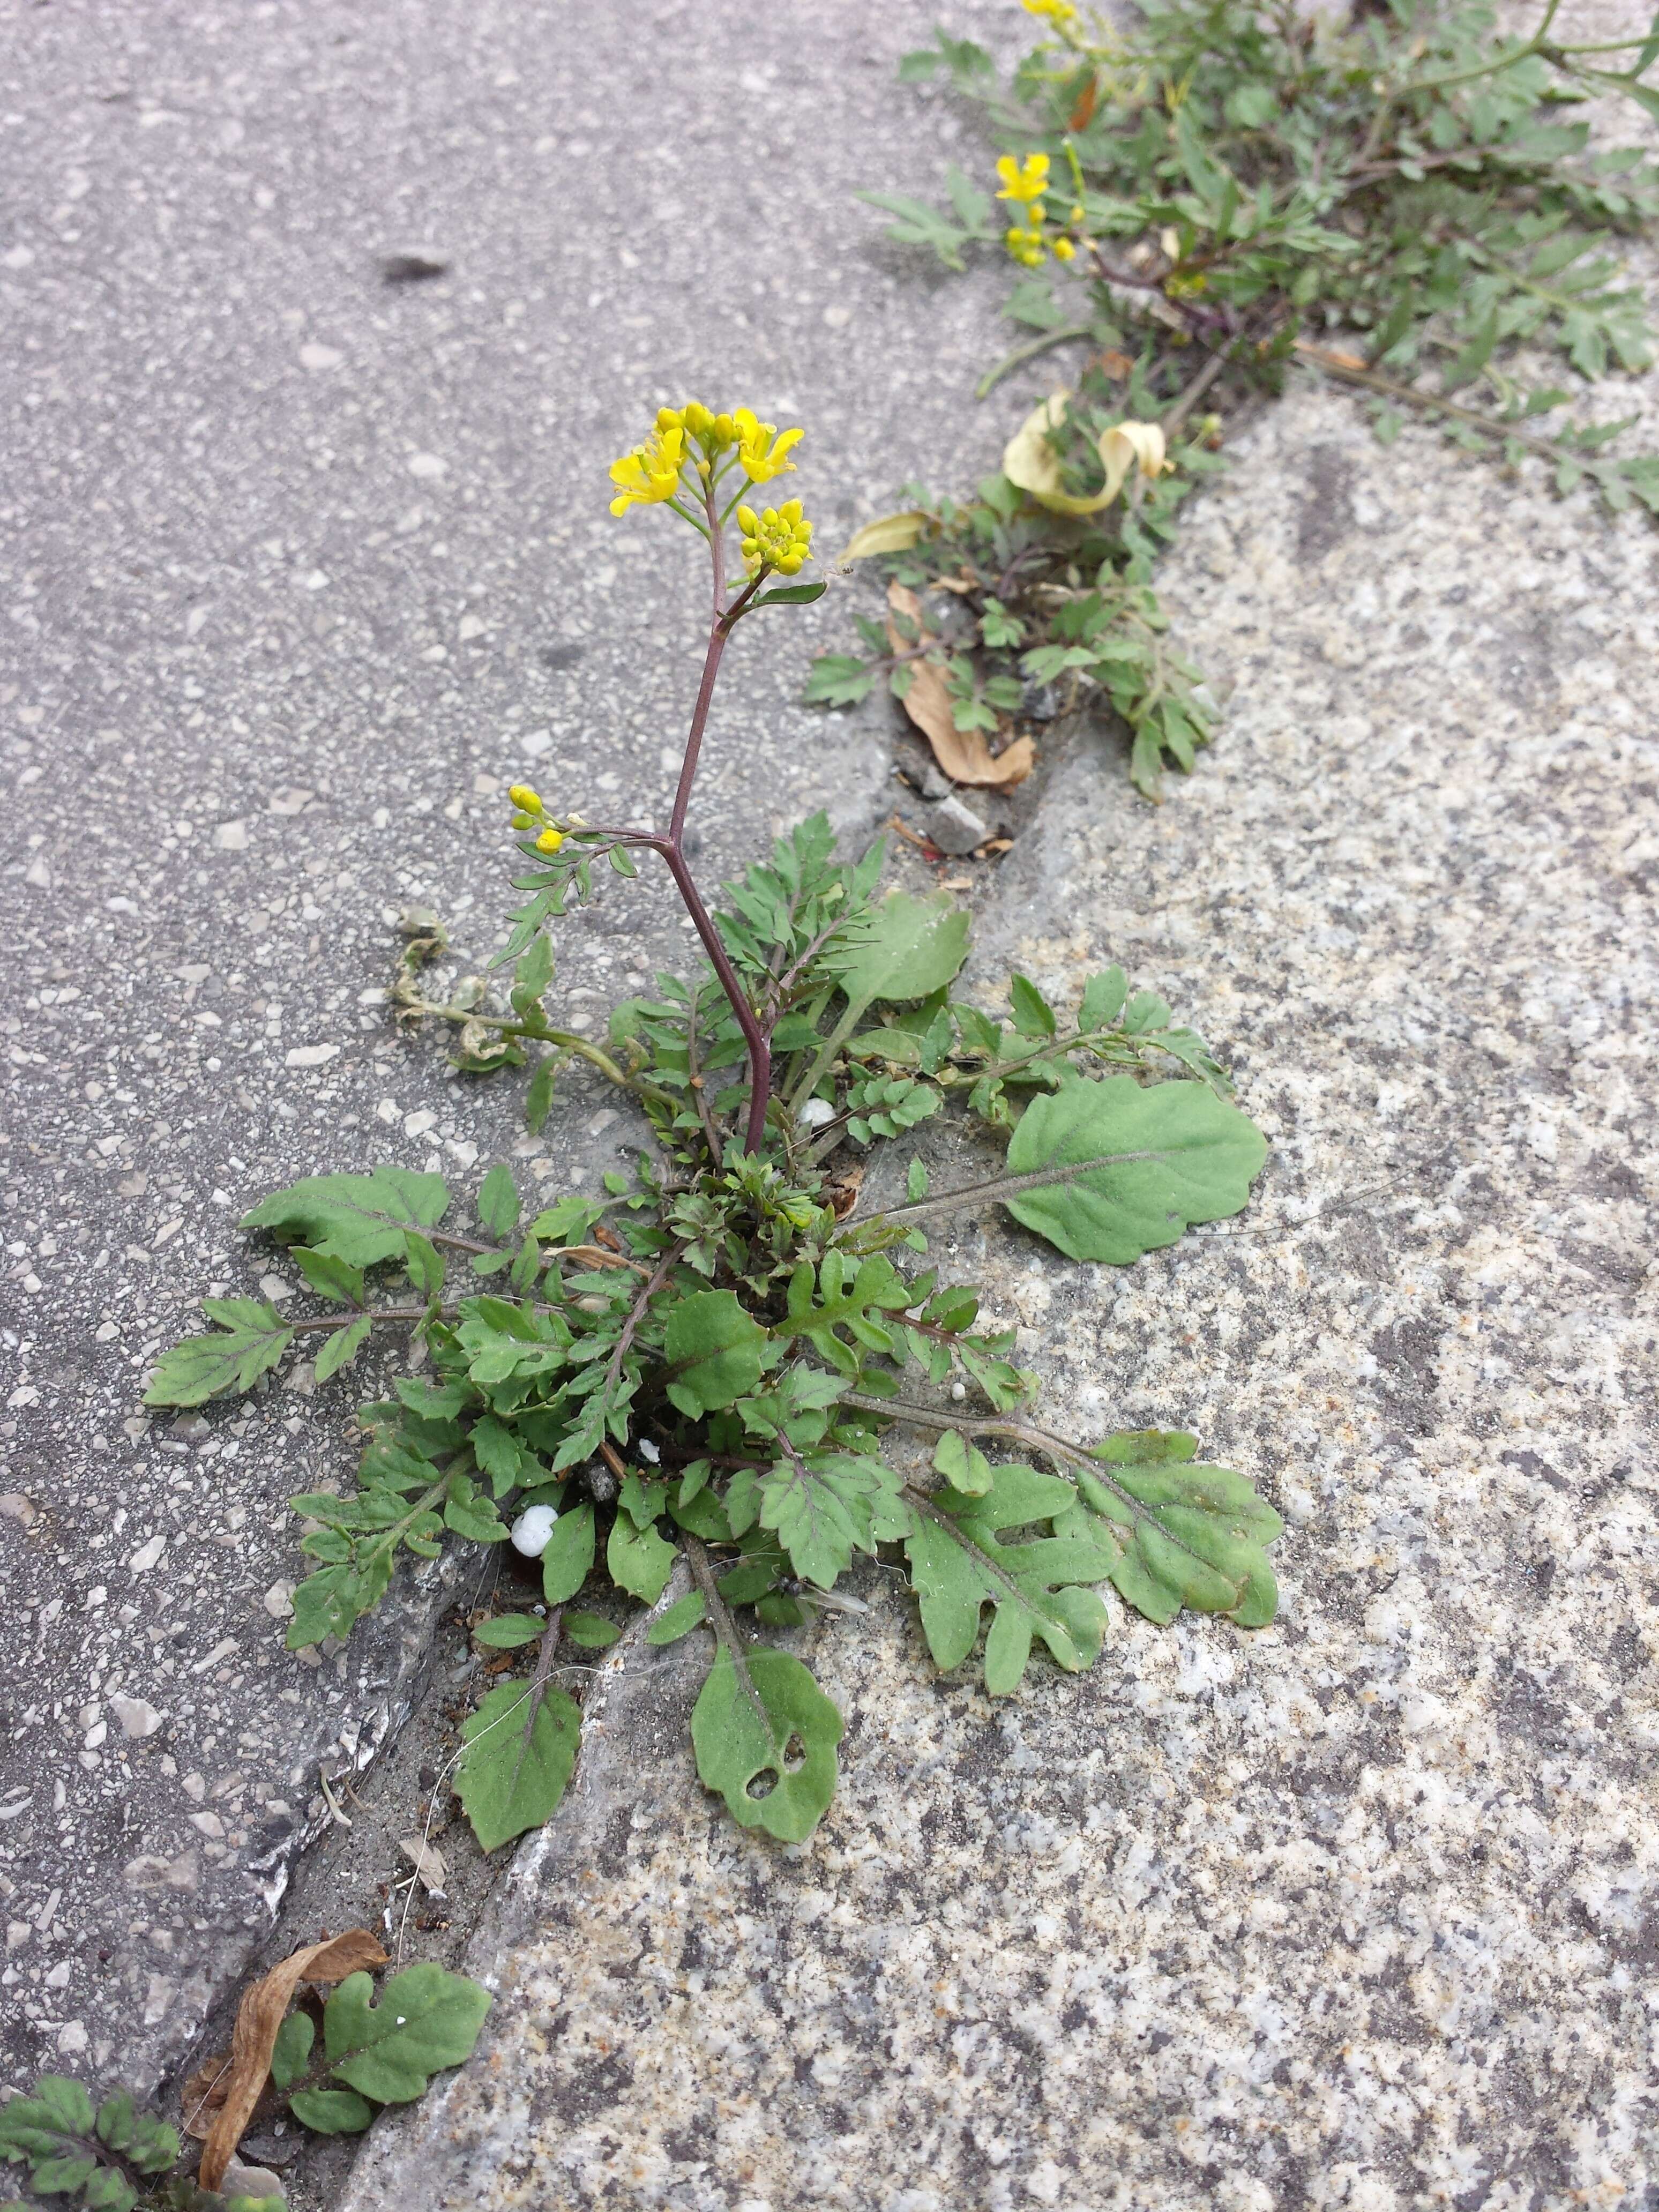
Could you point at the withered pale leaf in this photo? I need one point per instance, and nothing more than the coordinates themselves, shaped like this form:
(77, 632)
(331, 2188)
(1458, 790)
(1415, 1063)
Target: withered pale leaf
(258, 2017)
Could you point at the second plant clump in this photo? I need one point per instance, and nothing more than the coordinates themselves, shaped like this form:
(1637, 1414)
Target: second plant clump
(697, 1369)
(1204, 203)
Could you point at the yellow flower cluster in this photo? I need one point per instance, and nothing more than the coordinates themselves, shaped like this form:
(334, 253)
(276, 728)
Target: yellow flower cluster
(1060, 13)
(527, 812)
(779, 538)
(1025, 183)
(694, 436)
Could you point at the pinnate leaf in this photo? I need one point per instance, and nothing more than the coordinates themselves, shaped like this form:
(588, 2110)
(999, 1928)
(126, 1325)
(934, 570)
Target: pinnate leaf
(249, 1336)
(1185, 1534)
(959, 1565)
(360, 1219)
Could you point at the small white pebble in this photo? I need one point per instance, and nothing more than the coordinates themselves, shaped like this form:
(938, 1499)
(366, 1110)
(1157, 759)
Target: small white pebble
(958, 1391)
(532, 1530)
(815, 1113)
(647, 1449)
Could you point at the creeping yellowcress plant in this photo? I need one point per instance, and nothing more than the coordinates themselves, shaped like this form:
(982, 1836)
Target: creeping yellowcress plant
(694, 1373)
(1208, 199)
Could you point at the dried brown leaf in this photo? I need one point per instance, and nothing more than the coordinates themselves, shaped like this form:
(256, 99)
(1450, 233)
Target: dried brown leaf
(429, 1863)
(259, 2015)
(962, 754)
(203, 2094)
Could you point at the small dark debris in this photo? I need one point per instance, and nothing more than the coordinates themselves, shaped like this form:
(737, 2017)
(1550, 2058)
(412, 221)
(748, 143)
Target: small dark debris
(415, 266)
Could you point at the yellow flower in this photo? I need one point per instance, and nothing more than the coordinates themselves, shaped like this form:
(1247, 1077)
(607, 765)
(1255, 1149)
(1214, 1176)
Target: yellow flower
(1060, 13)
(549, 840)
(1025, 181)
(1064, 249)
(761, 450)
(524, 799)
(1026, 246)
(778, 539)
(651, 473)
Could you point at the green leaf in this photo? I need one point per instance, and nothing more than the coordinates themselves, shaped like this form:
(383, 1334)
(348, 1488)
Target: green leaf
(789, 595)
(498, 1201)
(1185, 1534)
(958, 1564)
(1033, 1016)
(903, 948)
(1103, 999)
(532, 975)
(718, 1351)
(426, 2018)
(251, 1336)
(508, 1630)
(60, 2107)
(342, 1348)
(680, 1618)
(423, 1264)
(915, 1180)
(1125, 1170)
(760, 1719)
(507, 1784)
(498, 1453)
(360, 1219)
(331, 2111)
(837, 679)
(538, 1099)
(65, 2175)
(291, 2051)
(568, 1559)
(106, 2191)
(590, 1631)
(823, 1508)
(963, 1467)
(640, 1561)
(329, 1277)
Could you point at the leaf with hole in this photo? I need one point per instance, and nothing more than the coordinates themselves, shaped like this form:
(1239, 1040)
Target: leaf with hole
(765, 1738)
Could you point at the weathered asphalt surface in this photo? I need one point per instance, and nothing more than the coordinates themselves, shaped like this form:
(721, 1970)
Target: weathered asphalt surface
(301, 569)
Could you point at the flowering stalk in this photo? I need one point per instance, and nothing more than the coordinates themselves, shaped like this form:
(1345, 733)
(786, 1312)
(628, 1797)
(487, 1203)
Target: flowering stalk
(682, 465)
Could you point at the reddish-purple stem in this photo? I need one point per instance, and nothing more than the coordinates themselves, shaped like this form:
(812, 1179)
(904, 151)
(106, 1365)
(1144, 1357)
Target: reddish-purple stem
(671, 847)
